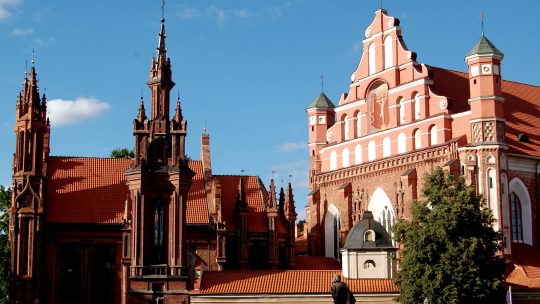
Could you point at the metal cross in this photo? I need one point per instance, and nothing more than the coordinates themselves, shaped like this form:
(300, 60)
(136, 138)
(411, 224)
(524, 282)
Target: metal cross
(322, 82)
(162, 9)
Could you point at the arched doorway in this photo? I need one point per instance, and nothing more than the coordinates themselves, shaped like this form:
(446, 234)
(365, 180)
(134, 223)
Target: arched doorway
(332, 226)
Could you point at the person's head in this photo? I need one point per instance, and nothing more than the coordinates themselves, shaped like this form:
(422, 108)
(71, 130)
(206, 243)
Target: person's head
(337, 278)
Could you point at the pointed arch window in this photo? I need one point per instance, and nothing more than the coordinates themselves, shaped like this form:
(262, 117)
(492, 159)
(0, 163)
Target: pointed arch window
(159, 231)
(517, 225)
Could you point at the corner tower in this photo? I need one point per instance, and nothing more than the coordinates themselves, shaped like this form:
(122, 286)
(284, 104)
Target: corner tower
(154, 263)
(27, 211)
(486, 159)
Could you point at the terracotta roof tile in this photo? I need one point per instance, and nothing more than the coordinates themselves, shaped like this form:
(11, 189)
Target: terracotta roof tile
(93, 190)
(316, 263)
(521, 106)
(519, 280)
(86, 190)
(285, 282)
(197, 206)
(229, 191)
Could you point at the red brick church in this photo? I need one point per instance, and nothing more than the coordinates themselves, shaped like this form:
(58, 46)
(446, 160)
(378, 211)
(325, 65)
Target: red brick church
(141, 230)
(399, 119)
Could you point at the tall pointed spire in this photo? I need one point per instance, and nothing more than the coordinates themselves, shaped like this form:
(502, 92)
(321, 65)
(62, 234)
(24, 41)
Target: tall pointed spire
(272, 201)
(290, 212)
(178, 112)
(142, 113)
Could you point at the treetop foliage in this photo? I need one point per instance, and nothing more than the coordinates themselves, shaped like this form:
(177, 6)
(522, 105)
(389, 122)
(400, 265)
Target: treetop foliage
(449, 247)
(5, 204)
(122, 153)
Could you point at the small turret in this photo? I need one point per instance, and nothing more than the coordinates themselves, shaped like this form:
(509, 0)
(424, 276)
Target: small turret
(486, 100)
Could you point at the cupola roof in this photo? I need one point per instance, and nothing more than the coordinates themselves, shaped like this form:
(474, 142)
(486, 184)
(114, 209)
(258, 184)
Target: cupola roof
(358, 239)
(484, 46)
(321, 102)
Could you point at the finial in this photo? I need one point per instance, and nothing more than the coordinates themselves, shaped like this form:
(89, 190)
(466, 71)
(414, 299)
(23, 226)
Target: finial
(242, 171)
(290, 175)
(162, 10)
(281, 182)
(482, 22)
(381, 5)
(33, 57)
(141, 94)
(178, 96)
(322, 83)
(205, 126)
(25, 68)
(273, 172)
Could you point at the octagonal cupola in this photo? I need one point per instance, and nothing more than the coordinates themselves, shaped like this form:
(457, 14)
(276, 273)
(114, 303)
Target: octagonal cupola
(368, 252)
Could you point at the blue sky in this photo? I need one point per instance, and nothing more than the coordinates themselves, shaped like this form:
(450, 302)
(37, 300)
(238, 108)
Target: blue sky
(246, 67)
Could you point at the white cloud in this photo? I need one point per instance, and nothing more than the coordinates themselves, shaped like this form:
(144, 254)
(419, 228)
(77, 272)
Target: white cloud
(292, 146)
(6, 6)
(21, 32)
(220, 15)
(63, 112)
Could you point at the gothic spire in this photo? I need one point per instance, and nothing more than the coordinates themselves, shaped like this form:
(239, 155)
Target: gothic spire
(272, 203)
(142, 113)
(178, 112)
(290, 212)
(281, 202)
(241, 196)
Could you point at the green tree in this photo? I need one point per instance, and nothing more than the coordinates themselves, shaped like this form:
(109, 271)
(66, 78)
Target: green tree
(5, 204)
(449, 247)
(122, 153)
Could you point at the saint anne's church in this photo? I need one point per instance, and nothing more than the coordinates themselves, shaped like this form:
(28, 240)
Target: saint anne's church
(104, 230)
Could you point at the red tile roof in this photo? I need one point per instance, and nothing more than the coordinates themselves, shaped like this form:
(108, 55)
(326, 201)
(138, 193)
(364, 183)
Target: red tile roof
(86, 190)
(229, 191)
(93, 190)
(285, 282)
(521, 106)
(197, 206)
(315, 263)
(526, 274)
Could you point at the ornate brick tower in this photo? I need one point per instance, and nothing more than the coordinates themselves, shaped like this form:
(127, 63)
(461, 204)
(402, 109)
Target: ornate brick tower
(26, 221)
(158, 180)
(486, 158)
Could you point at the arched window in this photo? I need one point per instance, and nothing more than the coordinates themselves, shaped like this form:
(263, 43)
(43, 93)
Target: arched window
(358, 125)
(357, 154)
(369, 236)
(401, 111)
(417, 106)
(371, 151)
(371, 55)
(333, 160)
(401, 143)
(517, 225)
(433, 138)
(388, 58)
(159, 232)
(345, 158)
(417, 139)
(346, 127)
(387, 147)
(369, 264)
